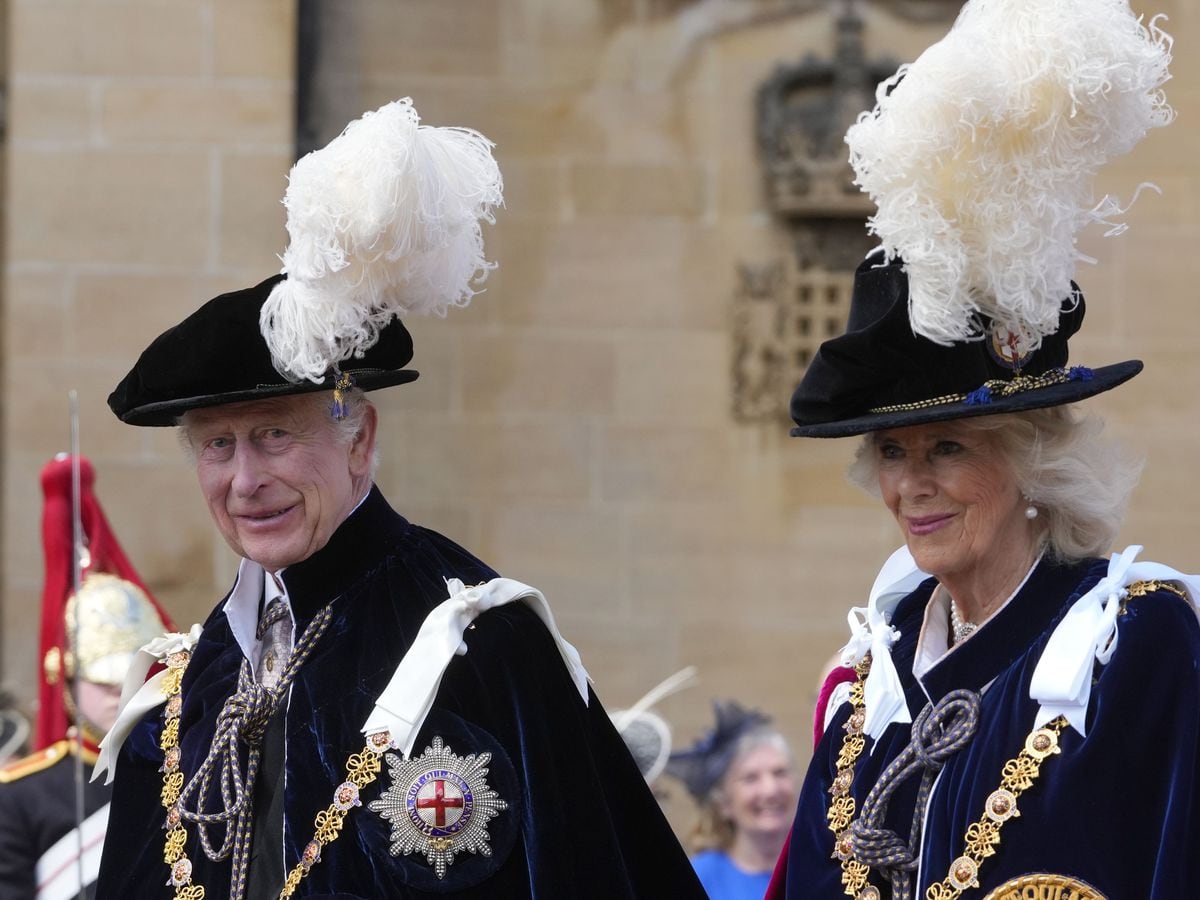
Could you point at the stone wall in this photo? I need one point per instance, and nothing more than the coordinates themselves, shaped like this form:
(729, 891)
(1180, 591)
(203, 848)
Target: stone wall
(147, 147)
(573, 425)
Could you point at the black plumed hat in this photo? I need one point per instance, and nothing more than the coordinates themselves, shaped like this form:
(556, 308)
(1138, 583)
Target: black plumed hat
(879, 374)
(981, 158)
(383, 221)
(218, 355)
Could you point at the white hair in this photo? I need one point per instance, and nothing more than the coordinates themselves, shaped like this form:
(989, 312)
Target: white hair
(1079, 480)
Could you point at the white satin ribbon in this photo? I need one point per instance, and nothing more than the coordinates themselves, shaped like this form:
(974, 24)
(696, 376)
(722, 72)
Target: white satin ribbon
(139, 695)
(870, 630)
(1062, 681)
(408, 697)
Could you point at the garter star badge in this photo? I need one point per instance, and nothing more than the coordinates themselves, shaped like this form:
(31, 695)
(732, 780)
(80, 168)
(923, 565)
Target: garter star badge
(439, 804)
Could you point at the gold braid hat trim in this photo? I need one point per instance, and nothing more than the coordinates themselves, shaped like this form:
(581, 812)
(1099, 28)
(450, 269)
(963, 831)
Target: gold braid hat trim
(996, 387)
(361, 769)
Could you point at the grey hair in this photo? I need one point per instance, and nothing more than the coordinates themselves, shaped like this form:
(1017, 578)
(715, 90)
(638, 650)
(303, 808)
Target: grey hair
(346, 429)
(1079, 480)
(712, 830)
(349, 426)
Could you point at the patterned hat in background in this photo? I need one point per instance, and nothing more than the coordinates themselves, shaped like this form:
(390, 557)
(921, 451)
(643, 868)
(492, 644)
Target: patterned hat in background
(647, 734)
(702, 766)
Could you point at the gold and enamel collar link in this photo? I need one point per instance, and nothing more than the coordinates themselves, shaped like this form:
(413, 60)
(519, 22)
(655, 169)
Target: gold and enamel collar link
(982, 837)
(842, 808)
(361, 769)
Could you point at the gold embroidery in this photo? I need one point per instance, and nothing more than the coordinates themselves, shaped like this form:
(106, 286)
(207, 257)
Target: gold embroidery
(1142, 588)
(168, 741)
(44, 759)
(1059, 887)
(361, 769)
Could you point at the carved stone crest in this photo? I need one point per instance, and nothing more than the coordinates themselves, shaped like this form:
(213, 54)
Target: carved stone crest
(785, 308)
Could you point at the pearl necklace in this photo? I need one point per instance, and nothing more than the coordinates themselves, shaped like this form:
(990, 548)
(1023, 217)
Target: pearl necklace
(960, 630)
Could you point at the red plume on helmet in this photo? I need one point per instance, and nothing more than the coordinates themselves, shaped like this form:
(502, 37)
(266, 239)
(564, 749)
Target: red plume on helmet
(137, 614)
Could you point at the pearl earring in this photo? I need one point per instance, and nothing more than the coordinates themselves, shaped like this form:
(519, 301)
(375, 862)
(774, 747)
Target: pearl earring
(1031, 511)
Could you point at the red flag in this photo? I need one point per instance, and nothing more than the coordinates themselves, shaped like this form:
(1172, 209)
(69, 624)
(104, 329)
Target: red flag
(104, 554)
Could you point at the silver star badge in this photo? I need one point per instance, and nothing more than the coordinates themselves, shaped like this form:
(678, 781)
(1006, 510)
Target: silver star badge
(439, 804)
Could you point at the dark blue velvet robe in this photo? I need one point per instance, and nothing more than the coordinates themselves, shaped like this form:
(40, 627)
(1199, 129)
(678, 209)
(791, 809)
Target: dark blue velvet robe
(580, 822)
(1118, 809)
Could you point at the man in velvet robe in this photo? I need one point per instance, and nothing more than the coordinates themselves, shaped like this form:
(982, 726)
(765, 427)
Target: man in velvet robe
(291, 490)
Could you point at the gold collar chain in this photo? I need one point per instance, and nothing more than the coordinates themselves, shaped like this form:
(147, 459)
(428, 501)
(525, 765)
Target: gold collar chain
(361, 769)
(1018, 775)
(982, 838)
(841, 809)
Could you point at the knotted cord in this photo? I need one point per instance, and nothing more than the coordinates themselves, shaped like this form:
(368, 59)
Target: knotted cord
(244, 719)
(940, 731)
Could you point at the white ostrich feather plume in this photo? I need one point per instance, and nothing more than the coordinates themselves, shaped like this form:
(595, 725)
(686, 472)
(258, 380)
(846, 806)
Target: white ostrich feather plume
(982, 158)
(384, 220)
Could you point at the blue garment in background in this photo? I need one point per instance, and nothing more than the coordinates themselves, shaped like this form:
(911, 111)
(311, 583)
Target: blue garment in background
(725, 881)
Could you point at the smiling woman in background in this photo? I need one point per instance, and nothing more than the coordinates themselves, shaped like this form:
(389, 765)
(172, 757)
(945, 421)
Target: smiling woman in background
(742, 777)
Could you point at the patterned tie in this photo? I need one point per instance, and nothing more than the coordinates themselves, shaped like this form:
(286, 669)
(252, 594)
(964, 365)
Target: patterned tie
(275, 632)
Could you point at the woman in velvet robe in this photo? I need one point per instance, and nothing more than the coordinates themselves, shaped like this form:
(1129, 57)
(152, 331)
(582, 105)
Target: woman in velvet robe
(1024, 712)
(1024, 709)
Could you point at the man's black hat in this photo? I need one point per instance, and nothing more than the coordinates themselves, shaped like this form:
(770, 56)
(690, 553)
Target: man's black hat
(879, 374)
(383, 221)
(218, 355)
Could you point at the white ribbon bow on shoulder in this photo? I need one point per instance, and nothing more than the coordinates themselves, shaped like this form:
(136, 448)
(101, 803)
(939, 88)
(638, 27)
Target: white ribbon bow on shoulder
(870, 630)
(409, 696)
(139, 695)
(1062, 681)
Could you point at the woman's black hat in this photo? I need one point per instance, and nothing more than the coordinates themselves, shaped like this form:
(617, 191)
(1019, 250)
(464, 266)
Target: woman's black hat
(702, 766)
(218, 355)
(879, 374)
